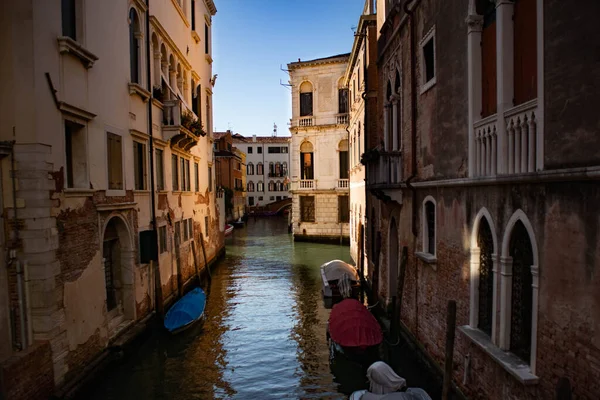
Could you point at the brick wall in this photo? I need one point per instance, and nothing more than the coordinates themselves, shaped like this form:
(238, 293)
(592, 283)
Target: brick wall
(568, 328)
(29, 374)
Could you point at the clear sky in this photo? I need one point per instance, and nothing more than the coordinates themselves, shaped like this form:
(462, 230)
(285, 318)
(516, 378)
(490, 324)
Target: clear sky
(253, 38)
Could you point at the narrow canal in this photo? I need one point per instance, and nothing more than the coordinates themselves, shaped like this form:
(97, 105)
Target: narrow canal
(263, 337)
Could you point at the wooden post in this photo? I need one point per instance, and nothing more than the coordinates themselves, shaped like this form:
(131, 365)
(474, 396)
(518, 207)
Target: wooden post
(204, 254)
(195, 261)
(563, 389)
(158, 297)
(450, 329)
(401, 276)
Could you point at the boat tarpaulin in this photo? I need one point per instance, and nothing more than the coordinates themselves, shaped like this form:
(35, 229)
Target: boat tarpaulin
(188, 309)
(334, 270)
(352, 325)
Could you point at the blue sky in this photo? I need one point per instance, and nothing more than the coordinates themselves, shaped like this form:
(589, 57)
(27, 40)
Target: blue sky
(253, 38)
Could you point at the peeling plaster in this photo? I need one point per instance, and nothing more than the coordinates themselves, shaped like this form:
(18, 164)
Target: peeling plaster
(83, 318)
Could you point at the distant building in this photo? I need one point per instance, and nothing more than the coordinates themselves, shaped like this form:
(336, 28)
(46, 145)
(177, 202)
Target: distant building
(319, 150)
(267, 168)
(107, 110)
(361, 82)
(230, 174)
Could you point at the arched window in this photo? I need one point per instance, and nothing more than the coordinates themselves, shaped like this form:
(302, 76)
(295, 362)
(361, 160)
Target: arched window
(284, 170)
(306, 161)
(429, 226)
(134, 46)
(522, 292)
(271, 186)
(250, 186)
(485, 243)
(260, 187)
(342, 97)
(250, 169)
(388, 117)
(259, 169)
(277, 169)
(278, 186)
(271, 169)
(306, 99)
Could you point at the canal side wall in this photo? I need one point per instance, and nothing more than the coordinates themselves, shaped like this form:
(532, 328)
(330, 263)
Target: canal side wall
(326, 227)
(567, 333)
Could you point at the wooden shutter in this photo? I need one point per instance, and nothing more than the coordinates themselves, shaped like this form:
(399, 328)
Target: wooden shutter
(115, 161)
(488, 64)
(525, 57)
(306, 104)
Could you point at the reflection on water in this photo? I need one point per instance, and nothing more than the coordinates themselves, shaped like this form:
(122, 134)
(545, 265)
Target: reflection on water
(264, 335)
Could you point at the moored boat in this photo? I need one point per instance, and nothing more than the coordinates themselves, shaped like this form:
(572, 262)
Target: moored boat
(337, 275)
(228, 229)
(186, 311)
(353, 331)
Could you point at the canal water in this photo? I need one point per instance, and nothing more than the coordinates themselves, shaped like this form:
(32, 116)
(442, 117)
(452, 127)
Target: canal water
(263, 337)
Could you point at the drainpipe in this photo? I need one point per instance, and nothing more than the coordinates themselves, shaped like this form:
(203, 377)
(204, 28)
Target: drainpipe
(151, 141)
(413, 124)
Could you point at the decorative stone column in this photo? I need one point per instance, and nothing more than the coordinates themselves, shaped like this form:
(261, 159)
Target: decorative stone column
(495, 290)
(475, 27)
(505, 302)
(535, 274)
(386, 112)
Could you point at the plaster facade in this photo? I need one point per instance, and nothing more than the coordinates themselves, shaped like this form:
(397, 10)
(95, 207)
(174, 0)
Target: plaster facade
(83, 145)
(487, 212)
(319, 150)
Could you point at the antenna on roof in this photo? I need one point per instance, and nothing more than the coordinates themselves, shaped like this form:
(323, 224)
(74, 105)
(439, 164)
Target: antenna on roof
(274, 130)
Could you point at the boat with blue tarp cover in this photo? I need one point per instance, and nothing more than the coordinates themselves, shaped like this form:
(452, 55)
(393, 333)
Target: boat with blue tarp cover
(186, 311)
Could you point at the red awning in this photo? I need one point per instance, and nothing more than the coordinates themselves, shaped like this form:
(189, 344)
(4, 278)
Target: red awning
(352, 325)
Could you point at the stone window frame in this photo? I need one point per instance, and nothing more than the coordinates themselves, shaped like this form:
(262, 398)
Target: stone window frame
(430, 35)
(425, 254)
(498, 347)
(82, 121)
(108, 131)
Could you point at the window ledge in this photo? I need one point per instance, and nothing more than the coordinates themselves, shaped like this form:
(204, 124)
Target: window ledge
(68, 45)
(428, 85)
(208, 58)
(141, 191)
(426, 257)
(510, 362)
(195, 36)
(135, 88)
(162, 191)
(76, 192)
(115, 192)
(186, 193)
(176, 192)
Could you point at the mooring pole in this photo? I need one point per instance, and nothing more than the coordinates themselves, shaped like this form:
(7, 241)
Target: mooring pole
(450, 329)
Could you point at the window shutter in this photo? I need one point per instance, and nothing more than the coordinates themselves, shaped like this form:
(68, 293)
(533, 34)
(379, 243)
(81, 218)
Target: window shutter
(109, 160)
(118, 162)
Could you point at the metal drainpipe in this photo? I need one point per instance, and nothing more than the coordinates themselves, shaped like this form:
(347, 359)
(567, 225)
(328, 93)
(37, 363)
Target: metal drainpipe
(151, 140)
(413, 125)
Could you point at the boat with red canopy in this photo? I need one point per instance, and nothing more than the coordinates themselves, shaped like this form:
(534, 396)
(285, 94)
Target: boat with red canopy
(353, 330)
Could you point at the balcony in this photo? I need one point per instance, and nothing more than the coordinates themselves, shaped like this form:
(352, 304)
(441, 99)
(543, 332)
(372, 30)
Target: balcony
(342, 119)
(384, 175)
(520, 141)
(180, 126)
(343, 183)
(305, 121)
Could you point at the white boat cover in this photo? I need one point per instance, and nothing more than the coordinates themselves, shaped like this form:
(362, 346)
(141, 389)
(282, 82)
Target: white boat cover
(384, 385)
(335, 269)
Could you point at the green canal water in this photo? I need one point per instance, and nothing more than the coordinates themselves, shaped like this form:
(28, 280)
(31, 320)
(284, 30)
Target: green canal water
(263, 337)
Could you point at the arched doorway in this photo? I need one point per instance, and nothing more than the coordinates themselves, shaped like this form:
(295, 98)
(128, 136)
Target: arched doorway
(393, 260)
(117, 256)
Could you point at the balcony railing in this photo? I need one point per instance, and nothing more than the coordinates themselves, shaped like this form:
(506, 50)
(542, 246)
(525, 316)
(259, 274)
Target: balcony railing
(306, 121)
(343, 183)
(486, 144)
(306, 184)
(386, 170)
(342, 119)
(520, 142)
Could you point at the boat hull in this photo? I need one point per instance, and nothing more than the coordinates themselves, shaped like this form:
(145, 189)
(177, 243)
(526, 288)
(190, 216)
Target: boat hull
(186, 311)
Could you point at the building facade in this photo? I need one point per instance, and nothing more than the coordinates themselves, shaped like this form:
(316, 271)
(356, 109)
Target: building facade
(361, 80)
(230, 174)
(319, 149)
(267, 168)
(478, 181)
(107, 177)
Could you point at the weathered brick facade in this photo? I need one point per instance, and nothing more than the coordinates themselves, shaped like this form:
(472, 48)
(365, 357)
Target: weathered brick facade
(554, 203)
